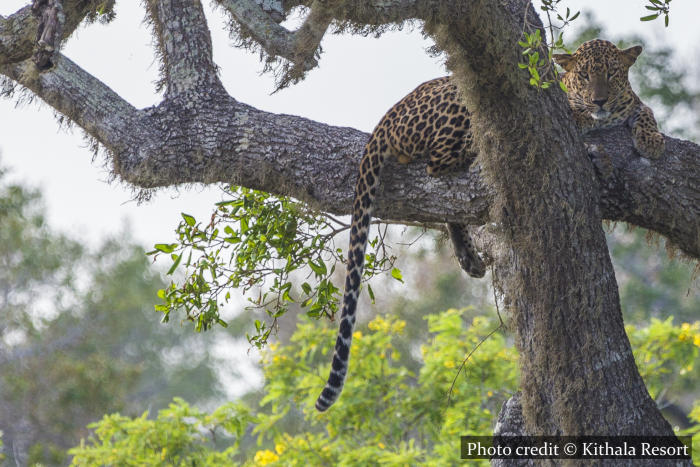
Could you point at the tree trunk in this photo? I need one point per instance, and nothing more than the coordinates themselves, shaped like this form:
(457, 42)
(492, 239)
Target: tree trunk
(551, 265)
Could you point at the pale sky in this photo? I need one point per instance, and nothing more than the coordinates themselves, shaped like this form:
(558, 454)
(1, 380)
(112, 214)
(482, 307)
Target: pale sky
(359, 78)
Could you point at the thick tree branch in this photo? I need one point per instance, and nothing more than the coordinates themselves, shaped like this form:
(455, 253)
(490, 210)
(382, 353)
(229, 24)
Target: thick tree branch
(662, 196)
(85, 100)
(274, 8)
(184, 46)
(227, 141)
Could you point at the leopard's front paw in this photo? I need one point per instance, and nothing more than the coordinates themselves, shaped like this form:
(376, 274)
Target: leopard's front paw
(584, 121)
(650, 145)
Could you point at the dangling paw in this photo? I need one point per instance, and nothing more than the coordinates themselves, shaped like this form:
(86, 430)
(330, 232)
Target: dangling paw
(649, 144)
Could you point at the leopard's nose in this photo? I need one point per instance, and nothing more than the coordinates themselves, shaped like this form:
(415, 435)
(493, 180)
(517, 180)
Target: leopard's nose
(599, 102)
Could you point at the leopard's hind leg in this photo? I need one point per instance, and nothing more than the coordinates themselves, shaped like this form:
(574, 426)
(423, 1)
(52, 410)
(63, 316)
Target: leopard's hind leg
(440, 163)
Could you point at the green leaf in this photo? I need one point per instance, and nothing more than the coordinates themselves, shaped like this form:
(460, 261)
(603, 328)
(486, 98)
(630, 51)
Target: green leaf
(320, 268)
(396, 274)
(176, 262)
(649, 18)
(165, 247)
(189, 219)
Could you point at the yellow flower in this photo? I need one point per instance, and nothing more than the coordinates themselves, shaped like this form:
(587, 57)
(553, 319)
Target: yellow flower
(280, 448)
(379, 324)
(399, 326)
(685, 327)
(696, 341)
(449, 364)
(381, 445)
(265, 457)
(357, 335)
(490, 393)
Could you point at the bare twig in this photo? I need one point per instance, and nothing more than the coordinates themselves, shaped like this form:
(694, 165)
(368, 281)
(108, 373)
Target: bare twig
(49, 33)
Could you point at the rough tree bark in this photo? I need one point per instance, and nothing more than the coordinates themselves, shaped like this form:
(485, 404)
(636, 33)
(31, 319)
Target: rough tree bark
(537, 190)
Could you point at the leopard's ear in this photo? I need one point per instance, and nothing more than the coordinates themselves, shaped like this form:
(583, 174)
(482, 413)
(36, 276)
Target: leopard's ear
(629, 56)
(567, 61)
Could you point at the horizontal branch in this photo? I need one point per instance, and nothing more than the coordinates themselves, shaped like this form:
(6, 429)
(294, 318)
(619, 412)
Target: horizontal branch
(227, 141)
(317, 163)
(661, 195)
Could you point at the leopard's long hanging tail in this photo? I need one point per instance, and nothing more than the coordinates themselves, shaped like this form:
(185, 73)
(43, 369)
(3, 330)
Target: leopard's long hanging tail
(365, 192)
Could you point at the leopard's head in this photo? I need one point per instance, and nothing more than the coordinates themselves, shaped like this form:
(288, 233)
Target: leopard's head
(597, 76)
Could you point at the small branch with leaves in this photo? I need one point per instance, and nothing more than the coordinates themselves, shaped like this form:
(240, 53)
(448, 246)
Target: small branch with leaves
(257, 243)
(659, 8)
(538, 55)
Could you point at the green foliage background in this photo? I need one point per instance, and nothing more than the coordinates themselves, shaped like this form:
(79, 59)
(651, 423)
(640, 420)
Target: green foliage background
(388, 414)
(79, 337)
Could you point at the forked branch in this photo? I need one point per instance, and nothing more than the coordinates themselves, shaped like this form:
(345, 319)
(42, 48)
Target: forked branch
(301, 47)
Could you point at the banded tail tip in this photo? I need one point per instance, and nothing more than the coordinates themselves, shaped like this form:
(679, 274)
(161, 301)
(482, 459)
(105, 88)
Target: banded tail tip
(326, 399)
(321, 406)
